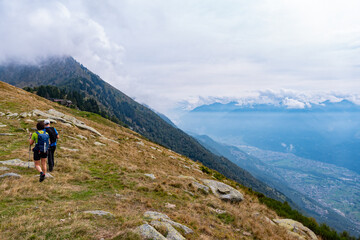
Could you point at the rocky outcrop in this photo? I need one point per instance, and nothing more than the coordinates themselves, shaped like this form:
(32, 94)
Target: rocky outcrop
(297, 228)
(224, 191)
(56, 115)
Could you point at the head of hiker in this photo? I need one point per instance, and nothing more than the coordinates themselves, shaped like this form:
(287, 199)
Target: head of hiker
(40, 125)
(47, 123)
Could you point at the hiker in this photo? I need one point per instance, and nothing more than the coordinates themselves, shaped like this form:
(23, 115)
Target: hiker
(54, 136)
(41, 139)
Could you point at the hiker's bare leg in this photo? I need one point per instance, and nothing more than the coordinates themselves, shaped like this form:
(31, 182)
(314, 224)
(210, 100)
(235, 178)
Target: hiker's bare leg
(43, 165)
(37, 165)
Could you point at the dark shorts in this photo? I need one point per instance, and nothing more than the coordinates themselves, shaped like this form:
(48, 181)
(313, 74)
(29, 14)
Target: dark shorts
(38, 155)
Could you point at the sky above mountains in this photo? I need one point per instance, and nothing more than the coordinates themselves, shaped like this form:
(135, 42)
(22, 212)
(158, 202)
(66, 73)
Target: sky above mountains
(163, 52)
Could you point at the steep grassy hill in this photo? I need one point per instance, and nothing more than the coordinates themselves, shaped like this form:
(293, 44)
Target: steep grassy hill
(69, 74)
(111, 178)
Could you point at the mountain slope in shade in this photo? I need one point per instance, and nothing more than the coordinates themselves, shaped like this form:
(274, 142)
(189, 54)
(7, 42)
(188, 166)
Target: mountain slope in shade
(68, 73)
(313, 186)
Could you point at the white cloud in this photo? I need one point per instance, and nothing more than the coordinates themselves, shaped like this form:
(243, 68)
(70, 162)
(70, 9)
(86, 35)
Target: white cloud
(163, 52)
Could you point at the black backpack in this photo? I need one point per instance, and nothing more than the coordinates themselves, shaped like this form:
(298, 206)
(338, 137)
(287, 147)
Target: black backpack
(52, 134)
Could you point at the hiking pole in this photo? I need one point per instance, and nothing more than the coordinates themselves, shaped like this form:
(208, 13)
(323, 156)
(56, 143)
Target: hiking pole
(29, 155)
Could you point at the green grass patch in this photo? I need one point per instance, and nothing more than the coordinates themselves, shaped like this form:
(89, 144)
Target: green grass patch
(226, 218)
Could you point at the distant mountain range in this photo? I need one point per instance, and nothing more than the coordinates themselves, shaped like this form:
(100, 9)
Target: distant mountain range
(328, 132)
(312, 185)
(67, 73)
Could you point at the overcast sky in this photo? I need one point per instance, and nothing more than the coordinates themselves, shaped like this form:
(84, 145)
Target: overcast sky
(162, 52)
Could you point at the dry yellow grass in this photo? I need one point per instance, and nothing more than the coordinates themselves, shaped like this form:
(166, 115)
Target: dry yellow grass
(110, 178)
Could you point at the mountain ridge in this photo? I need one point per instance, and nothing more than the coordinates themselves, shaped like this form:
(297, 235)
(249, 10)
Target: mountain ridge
(68, 73)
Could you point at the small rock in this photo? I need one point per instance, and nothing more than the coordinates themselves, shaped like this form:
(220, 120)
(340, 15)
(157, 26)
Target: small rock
(99, 144)
(4, 168)
(29, 121)
(2, 114)
(9, 114)
(218, 211)
(70, 149)
(246, 234)
(15, 175)
(187, 167)
(172, 157)
(82, 137)
(7, 134)
(62, 220)
(140, 143)
(2, 125)
(190, 193)
(152, 176)
(23, 115)
(154, 148)
(170, 206)
(99, 213)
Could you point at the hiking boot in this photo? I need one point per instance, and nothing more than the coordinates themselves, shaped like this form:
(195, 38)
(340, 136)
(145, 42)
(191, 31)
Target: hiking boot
(42, 177)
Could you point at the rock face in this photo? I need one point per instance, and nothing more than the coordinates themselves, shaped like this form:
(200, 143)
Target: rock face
(224, 191)
(14, 175)
(18, 162)
(55, 115)
(296, 228)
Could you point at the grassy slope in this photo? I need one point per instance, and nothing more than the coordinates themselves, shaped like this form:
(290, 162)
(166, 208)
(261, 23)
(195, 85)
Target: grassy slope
(91, 178)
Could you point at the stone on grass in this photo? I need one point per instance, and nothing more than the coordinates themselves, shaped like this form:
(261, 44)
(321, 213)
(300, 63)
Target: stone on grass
(170, 206)
(70, 149)
(200, 186)
(164, 218)
(149, 232)
(140, 143)
(224, 191)
(295, 227)
(99, 144)
(14, 175)
(2, 125)
(172, 233)
(9, 114)
(81, 137)
(29, 121)
(99, 213)
(7, 134)
(186, 177)
(152, 176)
(4, 168)
(18, 162)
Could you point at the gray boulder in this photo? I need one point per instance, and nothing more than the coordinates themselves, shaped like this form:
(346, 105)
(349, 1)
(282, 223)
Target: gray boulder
(164, 218)
(149, 232)
(172, 233)
(224, 191)
(200, 186)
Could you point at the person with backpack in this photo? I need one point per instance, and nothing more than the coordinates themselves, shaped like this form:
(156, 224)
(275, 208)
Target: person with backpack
(54, 136)
(41, 140)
